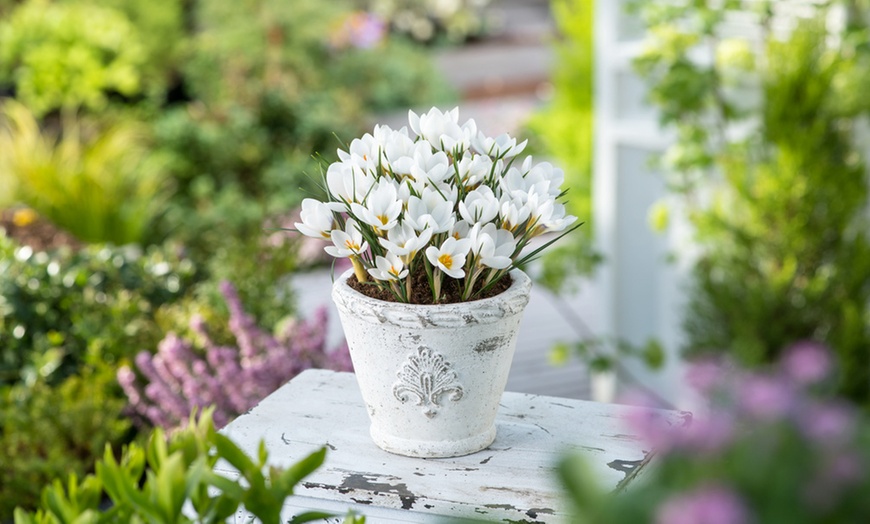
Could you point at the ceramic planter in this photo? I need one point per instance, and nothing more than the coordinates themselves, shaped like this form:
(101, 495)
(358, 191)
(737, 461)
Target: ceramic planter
(432, 376)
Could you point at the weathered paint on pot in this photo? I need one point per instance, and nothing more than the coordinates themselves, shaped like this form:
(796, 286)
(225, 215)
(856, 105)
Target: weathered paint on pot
(432, 376)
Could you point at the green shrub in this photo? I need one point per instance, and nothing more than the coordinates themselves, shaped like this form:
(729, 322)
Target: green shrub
(50, 432)
(269, 93)
(97, 181)
(70, 55)
(394, 74)
(61, 311)
(565, 128)
(780, 207)
(154, 483)
(428, 21)
(161, 27)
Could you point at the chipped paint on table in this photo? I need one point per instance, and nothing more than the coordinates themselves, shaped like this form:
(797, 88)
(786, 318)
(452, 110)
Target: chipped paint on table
(512, 480)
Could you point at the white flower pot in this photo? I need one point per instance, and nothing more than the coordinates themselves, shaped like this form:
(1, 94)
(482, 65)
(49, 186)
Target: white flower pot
(432, 376)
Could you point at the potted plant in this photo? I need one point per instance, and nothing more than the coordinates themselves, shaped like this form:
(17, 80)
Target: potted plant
(435, 221)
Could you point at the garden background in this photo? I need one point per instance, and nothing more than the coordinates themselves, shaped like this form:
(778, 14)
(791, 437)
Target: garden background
(152, 154)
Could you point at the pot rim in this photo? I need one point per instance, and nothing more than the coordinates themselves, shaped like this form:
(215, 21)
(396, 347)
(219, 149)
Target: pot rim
(520, 283)
(508, 303)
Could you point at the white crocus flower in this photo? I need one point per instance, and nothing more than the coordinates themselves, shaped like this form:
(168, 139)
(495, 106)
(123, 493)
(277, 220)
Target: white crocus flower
(473, 169)
(513, 183)
(399, 151)
(403, 241)
(388, 268)
(558, 220)
(513, 213)
(494, 246)
(545, 178)
(347, 183)
(317, 219)
(429, 167)
(479, 206)
(442, 130)
(364, 152)
(450, 257)
(502, 146)
(461, 229)
(348, 242)
(382, 206)
(430, 211)
(541, 207)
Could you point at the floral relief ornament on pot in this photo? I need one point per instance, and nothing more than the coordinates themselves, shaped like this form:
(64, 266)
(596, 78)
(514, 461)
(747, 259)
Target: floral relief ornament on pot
(436, 222)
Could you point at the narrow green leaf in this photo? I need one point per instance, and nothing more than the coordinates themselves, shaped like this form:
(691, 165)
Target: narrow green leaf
(295, 473)
(229, 451)
(310, 516)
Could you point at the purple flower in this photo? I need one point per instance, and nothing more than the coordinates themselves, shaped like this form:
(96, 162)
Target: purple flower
(807, 363)
(707, 434)
(180, 380)
(766, 398)
(706, 375)
(713, 504)
(361, 30)
(828, 424)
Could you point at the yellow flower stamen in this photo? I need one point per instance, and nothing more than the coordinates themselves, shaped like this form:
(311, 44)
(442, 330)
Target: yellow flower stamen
(446, 260)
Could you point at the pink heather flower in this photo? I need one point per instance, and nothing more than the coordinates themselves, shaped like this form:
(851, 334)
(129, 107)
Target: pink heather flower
(807, 363)
(766, 398)
(706, 505)
(828, 424)
(180, 380)
(707, 434)
(706, 375)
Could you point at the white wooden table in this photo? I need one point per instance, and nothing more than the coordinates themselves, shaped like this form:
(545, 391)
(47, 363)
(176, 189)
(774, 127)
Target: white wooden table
(512, 480)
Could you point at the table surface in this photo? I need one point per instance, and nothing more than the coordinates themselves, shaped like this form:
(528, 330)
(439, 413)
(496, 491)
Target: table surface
(512, 480)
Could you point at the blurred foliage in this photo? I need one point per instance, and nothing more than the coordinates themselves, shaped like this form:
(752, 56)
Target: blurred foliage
(161, 26)
(391, 76)
(428, 21)
(70, 55)
(767, 156)
(50, 432)
(565, 129)
(62, 311)
(96, 181)
(267, 92)
(172, 479)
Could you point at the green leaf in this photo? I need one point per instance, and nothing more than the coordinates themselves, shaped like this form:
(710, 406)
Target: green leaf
(288, 479)
(229, 451)
(559, 354)
(653, 354)
(23, 517)
(170, 485)
(310, 516)
(262, 453)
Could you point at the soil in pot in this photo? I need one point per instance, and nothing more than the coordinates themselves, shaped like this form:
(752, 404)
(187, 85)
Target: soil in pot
(421, 293)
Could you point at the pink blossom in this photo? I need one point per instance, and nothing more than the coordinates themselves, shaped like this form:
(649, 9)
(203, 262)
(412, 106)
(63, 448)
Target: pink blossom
(766, 398)
(828, 424)
(706, 505)
(179, 380)
(807, 363)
